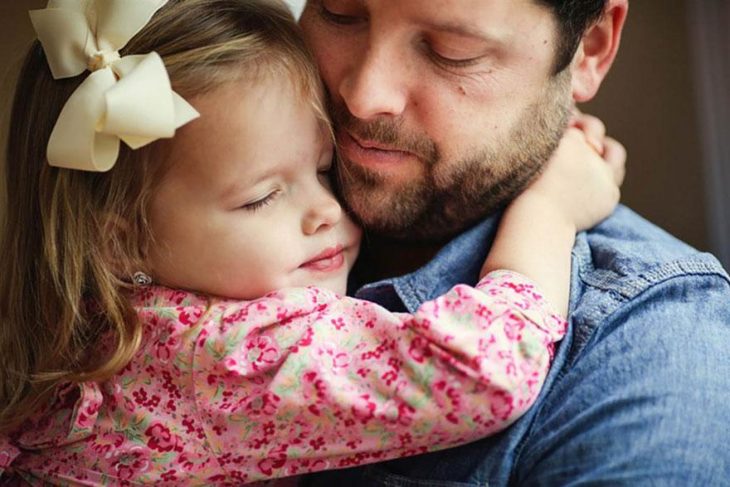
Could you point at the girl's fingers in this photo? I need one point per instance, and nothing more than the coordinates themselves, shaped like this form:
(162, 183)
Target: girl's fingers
(593, 128)
(614, 154)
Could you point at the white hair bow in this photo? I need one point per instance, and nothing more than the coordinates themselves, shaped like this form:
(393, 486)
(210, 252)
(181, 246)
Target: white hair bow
(127, 98)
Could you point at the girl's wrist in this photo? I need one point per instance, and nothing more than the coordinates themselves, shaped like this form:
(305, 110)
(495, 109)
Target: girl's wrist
(541, 210)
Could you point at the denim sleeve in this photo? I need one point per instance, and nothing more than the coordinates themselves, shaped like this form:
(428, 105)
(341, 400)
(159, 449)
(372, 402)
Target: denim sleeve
(646, 401)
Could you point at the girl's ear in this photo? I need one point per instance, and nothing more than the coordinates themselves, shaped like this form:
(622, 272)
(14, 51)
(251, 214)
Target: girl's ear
(597, 50)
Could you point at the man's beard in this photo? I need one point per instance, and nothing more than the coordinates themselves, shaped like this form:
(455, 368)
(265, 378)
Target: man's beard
(451, 195)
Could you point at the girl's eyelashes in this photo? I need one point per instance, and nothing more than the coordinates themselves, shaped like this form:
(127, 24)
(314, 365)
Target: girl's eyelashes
(261, 203)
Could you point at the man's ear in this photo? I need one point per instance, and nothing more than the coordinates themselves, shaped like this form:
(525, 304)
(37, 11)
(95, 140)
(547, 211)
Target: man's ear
(597, 50)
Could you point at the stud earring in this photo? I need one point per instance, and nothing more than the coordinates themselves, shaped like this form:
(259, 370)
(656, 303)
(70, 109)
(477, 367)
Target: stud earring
(141, 279)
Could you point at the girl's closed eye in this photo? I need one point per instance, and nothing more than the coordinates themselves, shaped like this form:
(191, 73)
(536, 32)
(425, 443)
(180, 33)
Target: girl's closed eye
(261, 202)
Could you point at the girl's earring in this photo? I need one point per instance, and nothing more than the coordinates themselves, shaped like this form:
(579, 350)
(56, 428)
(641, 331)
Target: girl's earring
(141, 279)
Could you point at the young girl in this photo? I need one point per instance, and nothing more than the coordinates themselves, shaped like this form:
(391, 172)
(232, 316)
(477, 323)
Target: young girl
(180, 319)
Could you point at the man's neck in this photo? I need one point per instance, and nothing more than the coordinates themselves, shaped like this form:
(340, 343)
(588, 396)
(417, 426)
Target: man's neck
(382, 258)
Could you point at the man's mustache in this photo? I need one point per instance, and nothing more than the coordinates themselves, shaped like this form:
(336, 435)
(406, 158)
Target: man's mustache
(385, 131)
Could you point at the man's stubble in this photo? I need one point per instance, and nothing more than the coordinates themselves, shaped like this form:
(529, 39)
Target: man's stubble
(451, 196)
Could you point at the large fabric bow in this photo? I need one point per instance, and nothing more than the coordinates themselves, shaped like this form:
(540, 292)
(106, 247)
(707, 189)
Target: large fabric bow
(127, 98)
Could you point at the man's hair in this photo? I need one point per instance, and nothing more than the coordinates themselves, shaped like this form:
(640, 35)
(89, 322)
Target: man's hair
(574, 17)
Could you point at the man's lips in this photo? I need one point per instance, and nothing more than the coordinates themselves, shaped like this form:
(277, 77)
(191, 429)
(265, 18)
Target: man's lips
(368, 152)
(330, 259)
(371, 144)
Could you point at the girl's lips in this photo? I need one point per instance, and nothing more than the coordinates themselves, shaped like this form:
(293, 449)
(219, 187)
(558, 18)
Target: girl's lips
(329, 260)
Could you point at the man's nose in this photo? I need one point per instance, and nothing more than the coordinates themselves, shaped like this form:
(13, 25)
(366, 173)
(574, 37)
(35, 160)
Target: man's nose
(322, 213)
(374, 85)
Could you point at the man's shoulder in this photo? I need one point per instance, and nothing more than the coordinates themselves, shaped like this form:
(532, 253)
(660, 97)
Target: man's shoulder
(629, 274)
(649, 330)
(627, 254)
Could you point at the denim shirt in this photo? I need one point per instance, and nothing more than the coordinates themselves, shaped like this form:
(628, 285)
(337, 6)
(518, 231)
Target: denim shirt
(639, 391)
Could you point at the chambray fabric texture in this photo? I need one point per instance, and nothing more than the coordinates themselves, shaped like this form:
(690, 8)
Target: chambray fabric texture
(639, 392)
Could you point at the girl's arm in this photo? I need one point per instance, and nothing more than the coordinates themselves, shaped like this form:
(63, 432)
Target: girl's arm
(577, 189)
(306, 380)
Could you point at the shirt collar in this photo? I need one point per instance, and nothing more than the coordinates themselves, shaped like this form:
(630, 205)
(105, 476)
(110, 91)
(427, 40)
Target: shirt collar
(459, 261)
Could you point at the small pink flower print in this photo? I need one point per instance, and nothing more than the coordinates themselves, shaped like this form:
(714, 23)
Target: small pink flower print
(161, 438)
(87, 415)
(267, 465)
(104, 444)
(341, 360)
(452, 418)
(188, 424)
(169, 476)
(262, 352)
(486, 343)
(419, 349)
(164, 349)
(364, 410)
(405, 414)
(363, 372)
(517, 288)
(484, 312)
(317, 443)
(189, 316)
(130, 463)
(502, 405)
(265, 404)
(192, 464)
(389, 377)
(513, 327)
(269, 428)
(405, 439)
(339, 323)
(306, 339)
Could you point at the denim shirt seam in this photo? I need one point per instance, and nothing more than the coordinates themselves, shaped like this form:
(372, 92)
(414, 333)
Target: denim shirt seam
(631, 285)
(623, 289)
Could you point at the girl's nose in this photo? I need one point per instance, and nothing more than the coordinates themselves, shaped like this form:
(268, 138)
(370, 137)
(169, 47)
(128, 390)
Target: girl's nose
(324, 212)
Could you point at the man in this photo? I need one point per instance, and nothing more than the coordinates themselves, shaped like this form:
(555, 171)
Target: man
(444, 111)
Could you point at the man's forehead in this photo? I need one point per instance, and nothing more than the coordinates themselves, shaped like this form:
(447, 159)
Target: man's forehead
(450, 14)
(497, 22)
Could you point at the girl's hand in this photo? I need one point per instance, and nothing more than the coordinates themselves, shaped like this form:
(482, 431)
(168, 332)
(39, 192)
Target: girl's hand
(580, 184)
(578, 188)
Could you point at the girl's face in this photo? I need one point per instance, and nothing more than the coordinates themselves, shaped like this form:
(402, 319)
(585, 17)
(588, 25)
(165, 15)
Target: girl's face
(246, 206)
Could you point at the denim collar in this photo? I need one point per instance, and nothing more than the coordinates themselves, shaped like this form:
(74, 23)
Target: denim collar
(460, 261)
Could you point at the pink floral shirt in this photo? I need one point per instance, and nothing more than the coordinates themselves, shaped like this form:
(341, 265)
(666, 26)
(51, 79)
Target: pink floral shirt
(226, 392)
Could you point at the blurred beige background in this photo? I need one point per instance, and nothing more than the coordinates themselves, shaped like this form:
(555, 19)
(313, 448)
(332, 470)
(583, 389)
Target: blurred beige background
(648, 102)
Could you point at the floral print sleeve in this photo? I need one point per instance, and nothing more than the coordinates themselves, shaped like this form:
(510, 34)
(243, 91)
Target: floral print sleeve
(307, 381)
(227, 392)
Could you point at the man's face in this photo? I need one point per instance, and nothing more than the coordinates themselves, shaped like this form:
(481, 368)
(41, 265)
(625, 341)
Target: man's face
(444, 109)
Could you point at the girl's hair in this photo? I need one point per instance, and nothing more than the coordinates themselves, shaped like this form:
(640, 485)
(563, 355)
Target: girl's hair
(71, 238)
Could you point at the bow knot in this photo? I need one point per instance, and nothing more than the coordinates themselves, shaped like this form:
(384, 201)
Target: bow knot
(102, 59)
(126, 98)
